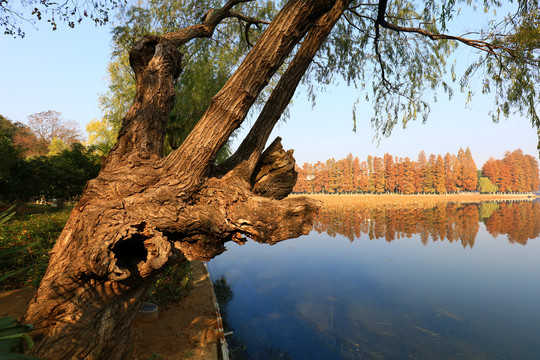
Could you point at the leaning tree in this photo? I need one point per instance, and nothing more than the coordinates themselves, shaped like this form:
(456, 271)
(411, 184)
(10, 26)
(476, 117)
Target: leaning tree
(145, 211)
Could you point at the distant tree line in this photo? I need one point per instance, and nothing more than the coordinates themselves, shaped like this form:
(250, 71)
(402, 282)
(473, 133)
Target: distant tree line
(43, 160)
(427, 175)
(444, 221)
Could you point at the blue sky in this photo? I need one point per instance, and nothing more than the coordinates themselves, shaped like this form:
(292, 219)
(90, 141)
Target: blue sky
(65, 70)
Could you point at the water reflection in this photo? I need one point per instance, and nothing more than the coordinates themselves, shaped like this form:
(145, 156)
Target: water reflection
(521, 223)
(236, 344)
(337, 294)
(445, 221)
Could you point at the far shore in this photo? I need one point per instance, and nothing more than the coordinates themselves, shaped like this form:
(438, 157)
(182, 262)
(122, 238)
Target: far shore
(401, 199)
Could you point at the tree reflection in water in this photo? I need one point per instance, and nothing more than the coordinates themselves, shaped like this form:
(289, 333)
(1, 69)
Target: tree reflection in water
(311, 298)
(444, 221)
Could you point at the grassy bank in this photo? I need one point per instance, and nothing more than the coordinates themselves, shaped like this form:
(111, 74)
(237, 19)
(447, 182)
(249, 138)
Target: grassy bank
(420, 200)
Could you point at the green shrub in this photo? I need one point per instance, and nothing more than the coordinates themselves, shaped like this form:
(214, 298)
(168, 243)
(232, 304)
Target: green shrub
(14, 339)
(25, 246)
(172, 285)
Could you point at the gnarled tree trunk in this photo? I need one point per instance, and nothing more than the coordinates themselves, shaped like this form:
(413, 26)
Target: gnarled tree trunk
(144, 212)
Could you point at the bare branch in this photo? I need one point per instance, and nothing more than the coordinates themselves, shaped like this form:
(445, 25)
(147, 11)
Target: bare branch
(477, 44)
(248, 19)
(353, 24)
(352, 10)
(380, 18)
(209, 22)
(362, 4)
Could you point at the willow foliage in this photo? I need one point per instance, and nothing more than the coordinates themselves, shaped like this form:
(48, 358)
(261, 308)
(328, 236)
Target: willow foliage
(401, 63)
(398, 54)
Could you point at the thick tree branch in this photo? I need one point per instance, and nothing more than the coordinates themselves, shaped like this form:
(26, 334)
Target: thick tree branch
(253, 145)
(378, 22)
(156, 62)
(232, 103)
(209, 23)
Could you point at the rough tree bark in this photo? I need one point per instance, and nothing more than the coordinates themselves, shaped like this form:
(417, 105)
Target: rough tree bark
(144, 212)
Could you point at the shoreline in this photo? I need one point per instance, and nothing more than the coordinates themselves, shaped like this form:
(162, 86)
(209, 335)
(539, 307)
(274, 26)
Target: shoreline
(415, 199)
(190, 328)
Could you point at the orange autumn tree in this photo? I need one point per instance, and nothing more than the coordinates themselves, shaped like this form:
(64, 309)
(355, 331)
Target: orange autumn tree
(450, 168)
(439, 178)
(390, 173)
(379, 179)
(467, 177)
(517, 172)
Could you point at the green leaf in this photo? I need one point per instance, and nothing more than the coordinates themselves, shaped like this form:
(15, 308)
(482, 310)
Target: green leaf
(12, 356)
(7, 321)
(14, 331)
(6, 215)
(10, 345)
(29, 341)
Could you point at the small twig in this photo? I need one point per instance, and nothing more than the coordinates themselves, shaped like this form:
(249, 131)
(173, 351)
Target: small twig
(360, 5)
(361, 16)
(353, 24)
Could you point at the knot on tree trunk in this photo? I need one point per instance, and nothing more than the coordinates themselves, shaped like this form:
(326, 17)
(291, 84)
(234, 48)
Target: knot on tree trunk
(142, 52)
(270, 221)
(148, 48)
(274, 175)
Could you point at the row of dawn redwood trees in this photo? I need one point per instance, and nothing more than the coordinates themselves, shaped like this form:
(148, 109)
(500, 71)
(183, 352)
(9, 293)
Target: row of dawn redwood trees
(445, 221)
(434, 174)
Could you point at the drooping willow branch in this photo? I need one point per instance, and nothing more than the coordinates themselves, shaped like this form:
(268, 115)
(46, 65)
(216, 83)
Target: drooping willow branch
(499, 51)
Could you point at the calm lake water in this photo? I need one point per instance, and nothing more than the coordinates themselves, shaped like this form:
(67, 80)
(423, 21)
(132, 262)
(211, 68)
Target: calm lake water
(450, 282)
